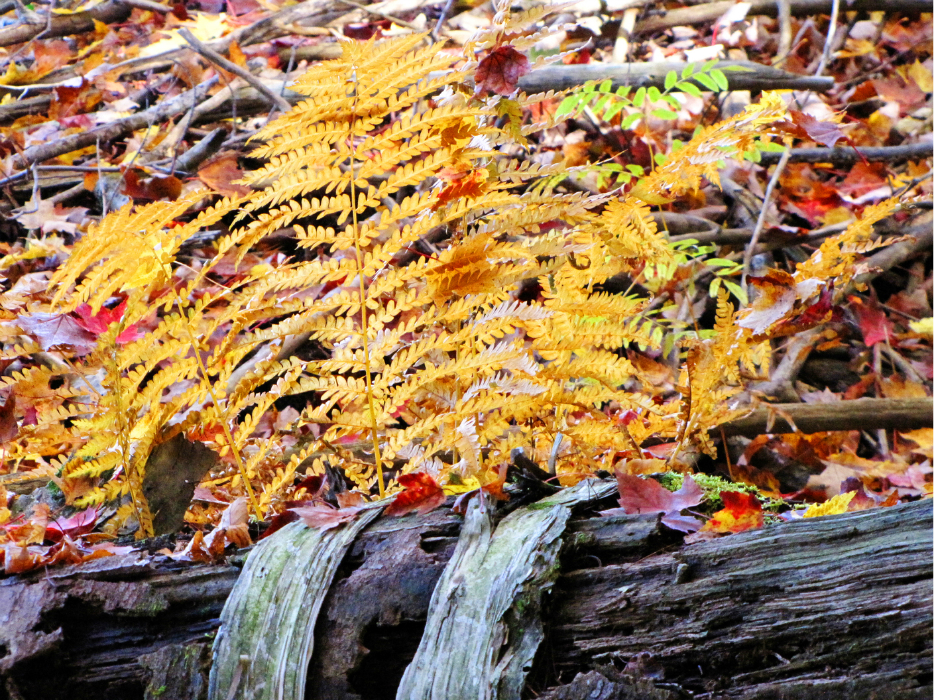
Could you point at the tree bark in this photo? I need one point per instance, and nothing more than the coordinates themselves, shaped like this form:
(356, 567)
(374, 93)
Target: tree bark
(835, 607)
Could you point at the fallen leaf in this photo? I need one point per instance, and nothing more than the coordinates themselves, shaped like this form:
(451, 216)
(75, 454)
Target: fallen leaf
(500, 71)
(775, 298)
(826, 133)
(835, 506)
(638, 495)
(8, 427)
(741, 512)
(421, 494)
(325, 517)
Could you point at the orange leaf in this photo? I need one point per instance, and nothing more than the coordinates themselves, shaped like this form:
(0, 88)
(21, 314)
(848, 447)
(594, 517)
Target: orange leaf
(741, 512)
(421, 494)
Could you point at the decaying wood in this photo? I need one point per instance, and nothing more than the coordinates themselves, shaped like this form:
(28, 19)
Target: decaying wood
(484, 623)
(835, 607)
(267, 627)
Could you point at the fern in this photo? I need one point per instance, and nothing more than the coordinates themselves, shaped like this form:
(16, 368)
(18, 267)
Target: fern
(443, 361)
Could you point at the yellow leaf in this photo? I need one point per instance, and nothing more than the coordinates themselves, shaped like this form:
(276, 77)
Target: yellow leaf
(466, 484)
(923, 327)
(836, 505)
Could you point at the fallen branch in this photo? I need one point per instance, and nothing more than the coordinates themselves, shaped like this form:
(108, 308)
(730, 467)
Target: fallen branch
(115, 129)
(66, 25)
(849, 156)
(709, 12)
(754, 77)
(859, 414)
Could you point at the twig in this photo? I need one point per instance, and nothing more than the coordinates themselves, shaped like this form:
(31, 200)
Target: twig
(784, 34)
(828, 45)
(378, 13)
(760, 222)
(231, 67)
(710, 12)
(436, 32)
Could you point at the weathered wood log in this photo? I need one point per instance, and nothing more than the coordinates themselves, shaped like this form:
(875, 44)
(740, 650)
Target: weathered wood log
(835, 607)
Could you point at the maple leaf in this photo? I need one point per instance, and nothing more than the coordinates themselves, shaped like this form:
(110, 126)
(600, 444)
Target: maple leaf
(826, 133)
(221, 172)
(57, 329)
(422, 494)
(873, 322)
(99, 323)
(500, 71)
(741, 512)
(638, 495)
(78, 524)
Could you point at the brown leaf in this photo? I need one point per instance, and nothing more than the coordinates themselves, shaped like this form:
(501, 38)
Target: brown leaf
(500, 71)
(8, 427)
(325, 517)
(219, 174)
(151, 188)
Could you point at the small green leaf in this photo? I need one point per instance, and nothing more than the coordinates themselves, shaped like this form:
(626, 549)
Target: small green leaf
(714, 286)
(630, 120)
(654, 94)
(671, 78)
(771, 147)
(736, 290)
(622, 90)
(660, 159)
(676, 145)
(664, 113)
(639, 98)
(636, 170)
(613, 110)
(707, 82)
(688, 71)
(673, 101)
(689, 88)
(720, 78)
(606, 86)
(568, 105)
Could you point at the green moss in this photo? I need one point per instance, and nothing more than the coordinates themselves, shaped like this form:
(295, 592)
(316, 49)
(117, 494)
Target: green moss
(712, 486)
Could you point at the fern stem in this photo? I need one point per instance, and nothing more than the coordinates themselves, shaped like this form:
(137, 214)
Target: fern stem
(222, 419)
(140, 506)
(374, 425)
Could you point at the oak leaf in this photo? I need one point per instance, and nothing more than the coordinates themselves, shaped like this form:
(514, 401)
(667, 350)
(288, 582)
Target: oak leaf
(500, 71)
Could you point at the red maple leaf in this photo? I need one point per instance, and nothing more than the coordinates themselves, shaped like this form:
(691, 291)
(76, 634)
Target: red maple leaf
(741, 512)
(99, 323)
(500, 71)
(421, 494)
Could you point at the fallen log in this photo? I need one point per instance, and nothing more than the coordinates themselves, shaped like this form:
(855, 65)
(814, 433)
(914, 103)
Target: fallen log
(834, 607)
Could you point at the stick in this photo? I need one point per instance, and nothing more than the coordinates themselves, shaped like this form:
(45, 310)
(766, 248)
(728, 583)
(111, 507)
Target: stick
(115, 129)
(760, 223)
(65, 25)
(859, 414)
(232, 67)
(849, 156)
(710, 12)
(754, 77)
